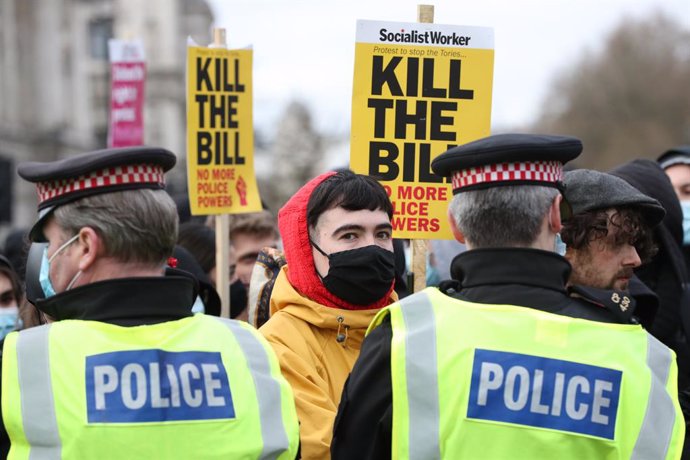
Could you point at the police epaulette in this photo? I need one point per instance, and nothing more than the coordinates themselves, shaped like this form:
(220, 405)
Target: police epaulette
(619, 303)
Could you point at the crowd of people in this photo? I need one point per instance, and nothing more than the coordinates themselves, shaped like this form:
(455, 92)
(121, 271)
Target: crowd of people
(562, 331)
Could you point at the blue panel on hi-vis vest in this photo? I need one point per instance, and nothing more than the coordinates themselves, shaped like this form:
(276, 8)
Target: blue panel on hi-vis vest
(157, 386)
(544, 392)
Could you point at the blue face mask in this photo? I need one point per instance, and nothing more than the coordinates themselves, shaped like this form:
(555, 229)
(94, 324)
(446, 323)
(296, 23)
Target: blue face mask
(44, 274)
(559, 246)
(8, 320)
(685, 205)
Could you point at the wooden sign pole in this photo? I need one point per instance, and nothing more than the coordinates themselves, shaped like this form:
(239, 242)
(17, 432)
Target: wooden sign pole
(222, 226)
(419, 248)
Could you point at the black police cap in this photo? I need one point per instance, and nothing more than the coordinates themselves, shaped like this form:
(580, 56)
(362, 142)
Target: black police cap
(507, 159)
(92, 173)
(589, 190)
(676, 156)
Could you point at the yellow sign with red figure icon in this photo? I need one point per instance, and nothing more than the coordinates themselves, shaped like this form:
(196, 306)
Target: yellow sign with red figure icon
(220, 132)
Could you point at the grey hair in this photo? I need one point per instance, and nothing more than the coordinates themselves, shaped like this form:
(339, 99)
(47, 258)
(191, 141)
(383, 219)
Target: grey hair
(508, 216)
(136, 225)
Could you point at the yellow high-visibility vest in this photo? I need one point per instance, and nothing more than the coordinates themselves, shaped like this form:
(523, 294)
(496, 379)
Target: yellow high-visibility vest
(198, 387)
(506, 382)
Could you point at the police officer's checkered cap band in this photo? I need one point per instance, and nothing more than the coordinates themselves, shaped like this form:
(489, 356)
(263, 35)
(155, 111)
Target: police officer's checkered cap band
(533, 171)
(106, 177)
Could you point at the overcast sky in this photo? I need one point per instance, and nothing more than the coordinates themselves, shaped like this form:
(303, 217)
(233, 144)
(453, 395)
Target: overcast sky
(305, 49)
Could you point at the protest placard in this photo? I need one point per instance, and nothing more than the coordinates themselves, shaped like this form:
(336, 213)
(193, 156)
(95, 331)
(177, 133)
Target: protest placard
(220, 132)
(418, 90)
(128, 74)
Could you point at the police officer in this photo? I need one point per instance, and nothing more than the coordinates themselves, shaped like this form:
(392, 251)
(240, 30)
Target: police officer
(508, 365)
(133, 374)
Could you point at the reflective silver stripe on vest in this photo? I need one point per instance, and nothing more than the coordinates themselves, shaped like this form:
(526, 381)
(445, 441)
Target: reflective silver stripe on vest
(660, 416)
(36, 393)
(421, 373)
(275, 440)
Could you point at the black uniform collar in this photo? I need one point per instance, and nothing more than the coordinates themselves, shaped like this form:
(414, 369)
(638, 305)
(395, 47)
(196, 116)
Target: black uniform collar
(619, 303)
(125, 301)
(500, 266)
(532, 278)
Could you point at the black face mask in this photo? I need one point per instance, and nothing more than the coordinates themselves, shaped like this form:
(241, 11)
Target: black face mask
(238, 298)
(359, 276)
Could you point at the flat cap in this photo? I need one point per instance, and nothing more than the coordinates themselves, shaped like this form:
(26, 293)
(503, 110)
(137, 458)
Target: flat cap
(92, 173)
(676, 156)
(507, 159)
(589, 190)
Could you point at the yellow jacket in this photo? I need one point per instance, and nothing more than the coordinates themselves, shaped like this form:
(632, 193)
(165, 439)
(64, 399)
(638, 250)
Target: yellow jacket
(304, 335)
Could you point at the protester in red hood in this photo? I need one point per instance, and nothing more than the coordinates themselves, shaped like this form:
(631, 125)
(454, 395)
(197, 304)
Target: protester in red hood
(340, 269)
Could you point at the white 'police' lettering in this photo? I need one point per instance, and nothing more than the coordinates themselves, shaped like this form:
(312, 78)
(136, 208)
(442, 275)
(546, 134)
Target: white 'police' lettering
(153, 385)
(189, 371)
(134, 396)
(106, 382)
(212, 384)
(544, 392)
(133, 399)
(157, 400)
(492, 379)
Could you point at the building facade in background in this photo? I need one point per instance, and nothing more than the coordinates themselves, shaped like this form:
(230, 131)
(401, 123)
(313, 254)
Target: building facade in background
(54, 81)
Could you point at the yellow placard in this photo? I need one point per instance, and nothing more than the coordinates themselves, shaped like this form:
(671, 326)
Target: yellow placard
(419, 89)
(220, 132)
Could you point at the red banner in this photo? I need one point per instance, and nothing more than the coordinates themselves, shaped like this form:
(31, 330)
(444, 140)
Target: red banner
(128, 73)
